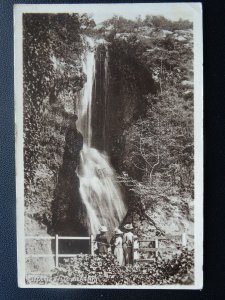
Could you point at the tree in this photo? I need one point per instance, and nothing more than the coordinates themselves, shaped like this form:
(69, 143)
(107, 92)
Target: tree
(162, 142)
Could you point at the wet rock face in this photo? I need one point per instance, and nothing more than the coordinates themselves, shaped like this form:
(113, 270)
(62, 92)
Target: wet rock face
(121, 84)
(73, 146)
(129, 83)
(100, 99)
(69, 214)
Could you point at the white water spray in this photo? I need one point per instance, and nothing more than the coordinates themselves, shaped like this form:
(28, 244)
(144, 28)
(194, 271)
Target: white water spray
(99, 190)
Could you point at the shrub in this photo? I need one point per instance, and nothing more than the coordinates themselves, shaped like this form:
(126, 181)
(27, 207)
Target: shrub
(104, 270)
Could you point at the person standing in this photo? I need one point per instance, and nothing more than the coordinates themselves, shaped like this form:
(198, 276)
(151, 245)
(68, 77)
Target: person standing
(135, 248)
(102, 241)
(112, 241)
(118, 247)
(128, 243)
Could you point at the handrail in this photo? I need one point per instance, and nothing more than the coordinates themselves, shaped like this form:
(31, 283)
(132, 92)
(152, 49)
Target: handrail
(57, 238)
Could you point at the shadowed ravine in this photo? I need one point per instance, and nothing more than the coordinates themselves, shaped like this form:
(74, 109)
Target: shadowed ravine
(100, 193)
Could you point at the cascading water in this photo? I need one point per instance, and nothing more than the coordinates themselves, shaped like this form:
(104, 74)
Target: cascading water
(105, 98)
(99, 191)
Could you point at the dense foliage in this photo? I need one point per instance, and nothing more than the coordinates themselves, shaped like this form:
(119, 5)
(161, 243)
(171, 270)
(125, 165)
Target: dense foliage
(53, 75)
(104, 270)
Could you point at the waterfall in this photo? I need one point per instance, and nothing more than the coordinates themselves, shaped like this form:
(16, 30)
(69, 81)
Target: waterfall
(105, 96)
(84, 105)
(99, 190)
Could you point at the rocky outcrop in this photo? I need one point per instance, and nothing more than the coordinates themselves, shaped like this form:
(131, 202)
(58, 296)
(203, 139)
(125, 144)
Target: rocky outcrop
(68, 212)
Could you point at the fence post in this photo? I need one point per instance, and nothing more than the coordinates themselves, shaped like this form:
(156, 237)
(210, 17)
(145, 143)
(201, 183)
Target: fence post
(184, 239)
(156, 246)
(56, 251)
(92, 244)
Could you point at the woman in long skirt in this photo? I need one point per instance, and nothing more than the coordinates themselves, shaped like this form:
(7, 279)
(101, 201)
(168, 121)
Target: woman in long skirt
(128, 244)
(118, 250)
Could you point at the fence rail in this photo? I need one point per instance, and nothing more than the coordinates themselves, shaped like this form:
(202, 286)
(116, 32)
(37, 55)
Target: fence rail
(181, 237)
(155, 249)
(57, 238)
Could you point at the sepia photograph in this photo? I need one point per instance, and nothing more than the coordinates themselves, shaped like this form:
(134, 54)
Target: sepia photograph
(109, 145)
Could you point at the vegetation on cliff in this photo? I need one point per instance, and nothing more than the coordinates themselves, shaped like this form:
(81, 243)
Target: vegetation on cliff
(53, 75)
(156, 151)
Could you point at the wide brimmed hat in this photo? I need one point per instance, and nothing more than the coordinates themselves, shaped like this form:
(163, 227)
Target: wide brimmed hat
(103, 229)
(128, 226)
(118, 231)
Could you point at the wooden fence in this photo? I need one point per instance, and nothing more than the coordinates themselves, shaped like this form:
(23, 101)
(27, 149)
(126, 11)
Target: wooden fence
(57, 238)
(156, 249)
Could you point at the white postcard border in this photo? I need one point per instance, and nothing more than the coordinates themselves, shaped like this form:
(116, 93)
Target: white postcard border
(196, 9)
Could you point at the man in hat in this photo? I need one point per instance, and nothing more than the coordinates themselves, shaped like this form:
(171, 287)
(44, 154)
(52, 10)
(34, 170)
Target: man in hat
(102, 241)
(128, 243)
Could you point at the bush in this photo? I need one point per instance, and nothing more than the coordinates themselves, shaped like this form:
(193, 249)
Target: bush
(104, 270)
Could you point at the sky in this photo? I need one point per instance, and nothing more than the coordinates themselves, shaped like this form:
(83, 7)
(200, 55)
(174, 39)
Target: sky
(101, 12)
